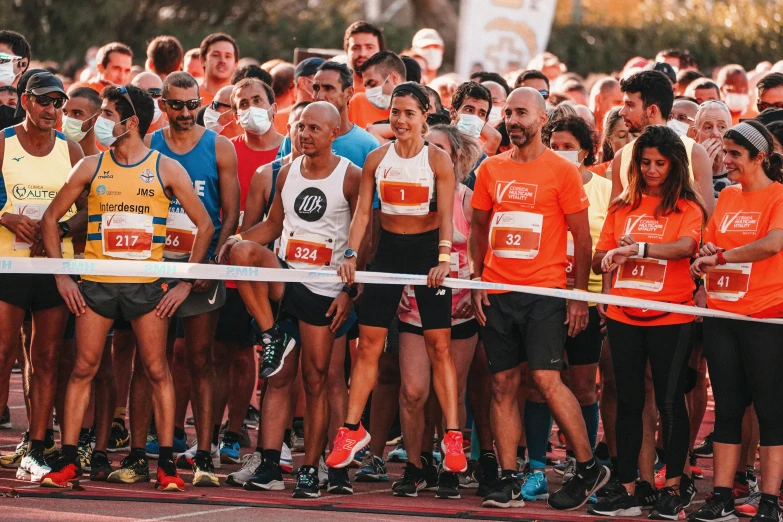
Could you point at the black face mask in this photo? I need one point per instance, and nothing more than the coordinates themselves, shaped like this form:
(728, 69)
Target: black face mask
(7, 118)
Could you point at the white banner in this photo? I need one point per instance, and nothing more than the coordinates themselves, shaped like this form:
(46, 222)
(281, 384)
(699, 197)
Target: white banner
(502, 35)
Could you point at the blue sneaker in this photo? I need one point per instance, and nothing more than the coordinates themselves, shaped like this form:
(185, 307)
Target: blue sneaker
(436, 452)
(373, 469)
(153, 447)
(535, 486)
(229, 449)
(180, 445)
(398, 454)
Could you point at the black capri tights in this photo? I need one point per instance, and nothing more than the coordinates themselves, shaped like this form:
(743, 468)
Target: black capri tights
(745, 360)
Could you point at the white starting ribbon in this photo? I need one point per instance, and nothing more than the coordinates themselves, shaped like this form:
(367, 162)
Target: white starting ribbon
(17, 265)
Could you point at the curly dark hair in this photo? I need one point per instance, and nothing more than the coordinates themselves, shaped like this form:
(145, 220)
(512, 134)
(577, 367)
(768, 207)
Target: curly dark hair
(579, 128)
(654, 88)
(471, 89)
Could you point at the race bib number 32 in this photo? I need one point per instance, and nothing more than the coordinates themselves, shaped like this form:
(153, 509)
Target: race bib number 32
(127, 236)
(516, 235)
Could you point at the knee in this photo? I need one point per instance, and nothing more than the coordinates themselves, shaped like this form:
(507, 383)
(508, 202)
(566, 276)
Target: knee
(547, 383)
(584, 391)
(314, 381)
(413, 397)
(200, 363)
(157, 373)
(439, 351)
(243, 254)
(84, 370)
(504, 386)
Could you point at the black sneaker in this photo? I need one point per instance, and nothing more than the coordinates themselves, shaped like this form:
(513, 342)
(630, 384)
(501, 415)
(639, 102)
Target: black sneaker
(704, 450)
(620, 504)
(132, 469)
(411, 483)
(611, 489)
(448, 486)
(767, 512)
(714, 511)
(669, 505)
(602, 452)
(5, 419)
(695, 468)
(267, 477)
(276, 346)
(646, 494)
(100, 467)
(430, 475)
(577, 491)
(307, 483)
(119, 438)
(507, 494)
(488, 475)
(252, 416)
(339, 484)
(204, 472)
(687, 491)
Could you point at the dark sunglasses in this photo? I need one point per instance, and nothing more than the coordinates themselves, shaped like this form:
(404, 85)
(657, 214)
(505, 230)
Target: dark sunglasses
(766, 105)
(124, 93)
(155, 92)
(178, 105)
(45, 101)
(545, 94)
(216, 105)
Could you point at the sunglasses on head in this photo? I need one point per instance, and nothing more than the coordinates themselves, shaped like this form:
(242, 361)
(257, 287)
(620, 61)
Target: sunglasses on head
(45, 101)
(766, 105)
(155, 92)
(178, 105)
(124, 93)
(216, 105)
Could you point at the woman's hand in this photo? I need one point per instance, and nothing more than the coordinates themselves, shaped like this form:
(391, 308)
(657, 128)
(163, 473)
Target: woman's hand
(438, 274)
(618, 256)
(703, 265)
(464, 309)
(347, 270)
(708, 249)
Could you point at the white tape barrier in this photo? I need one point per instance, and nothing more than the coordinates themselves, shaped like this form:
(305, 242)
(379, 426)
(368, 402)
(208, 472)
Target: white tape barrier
(20, 265)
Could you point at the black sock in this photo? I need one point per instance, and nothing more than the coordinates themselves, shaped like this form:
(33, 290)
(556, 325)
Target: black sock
(179, 433)
(215, 434)
(521, 450)
(570, 453)
(69, 452)
(138, 453)
(36, 445)
(49, 438)
(120, 421)
(766, 498)
(613, 463)
(453, 429)
(723, 495)
(427, 458)
(166, 453)
(508, 474)
(260, 450)
(588, 469)
(741, 477)
(352, 427)
(287, 436)
(230, 436)
(271, 456)
(83, 432)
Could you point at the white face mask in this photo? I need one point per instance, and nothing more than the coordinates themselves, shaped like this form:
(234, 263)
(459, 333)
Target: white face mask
(736, 102)
(73, 128)
(7, 74)
(211, 117)
(433, 57)
(495, 116)
(570, 155)
(470, 125)
(156, 113)
(255, 120)
(104, 131)
(681, 128)
(377, 98)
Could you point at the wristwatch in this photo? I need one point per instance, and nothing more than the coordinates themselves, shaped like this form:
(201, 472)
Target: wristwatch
(349, 253)
(213, 258)
(351, 290)
(65, 227)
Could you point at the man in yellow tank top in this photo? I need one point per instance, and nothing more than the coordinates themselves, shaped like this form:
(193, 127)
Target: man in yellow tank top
(648, 100)
(129, 191)
(35, 161)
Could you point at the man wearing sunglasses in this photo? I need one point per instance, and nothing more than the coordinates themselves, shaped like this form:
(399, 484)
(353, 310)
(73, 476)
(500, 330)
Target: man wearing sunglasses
(15, 47)
(219, 117)
(211, 163)
(36, 160)
(152, 83)
(770, 89)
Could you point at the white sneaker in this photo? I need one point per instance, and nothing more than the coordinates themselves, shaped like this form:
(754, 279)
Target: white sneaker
(249, 464)
(286, 459)
(185, 460)
(323, 473)
(32, 468)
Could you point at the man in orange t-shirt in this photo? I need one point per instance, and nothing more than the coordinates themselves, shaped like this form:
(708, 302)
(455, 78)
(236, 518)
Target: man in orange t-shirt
(360, 41)
(219, 55)
(525, 201)
(381, 73)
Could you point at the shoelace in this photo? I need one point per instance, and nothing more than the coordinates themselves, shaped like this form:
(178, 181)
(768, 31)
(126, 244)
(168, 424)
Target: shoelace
(339, 441)
(453, 444)
(306, 479)
(250, 460)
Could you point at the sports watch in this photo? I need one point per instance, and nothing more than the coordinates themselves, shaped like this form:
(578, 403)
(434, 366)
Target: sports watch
(349, 252)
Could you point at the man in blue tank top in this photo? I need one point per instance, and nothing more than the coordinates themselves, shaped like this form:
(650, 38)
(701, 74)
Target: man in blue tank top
(211, 163)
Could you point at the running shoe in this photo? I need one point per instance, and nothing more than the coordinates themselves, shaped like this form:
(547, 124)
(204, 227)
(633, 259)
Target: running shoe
(660, 477)
(430, 475)
(229, 449)
(276, 347)
(323, 473)
(469, 479)
(84, 450)
(436, 454)
(339, 484)
(250, 462)
(398, 454)
(252, 417)
(646, 494)
(448, 486)
(180, 444)
(611, 488)
(267, 477)
(131, 470)
(750, 507)
(51, 451)
(168, 478)
(190, 421)
(567, 469)
(740, 491)
(185, 460)
(373, 469)
(704, 450)
(119, 437)
(33, 466)
(64, 474)
(669, 505)
(307, 483)
(100, 468)
(577, 491)
(411, 483)
(204, 473)
(5, 419)
(357, 459)
(346, 444)
(523, 468)
(768, 512)
(453, 453)
(714, 511)
(535, 486)
(687, 491)
(696, 470)
(297, 437)
(244, 437)
(753, 481)
(286, 459)
(507, 494)
(488, 475)
(12, 460)
(152, 448)
(620, 504)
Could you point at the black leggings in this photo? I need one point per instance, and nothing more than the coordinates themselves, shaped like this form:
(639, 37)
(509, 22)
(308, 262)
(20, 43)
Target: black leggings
(745, 360)
(667, 348)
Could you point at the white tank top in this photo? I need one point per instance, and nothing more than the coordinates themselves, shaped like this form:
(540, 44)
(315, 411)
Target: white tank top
(406, 186)
(316, 224)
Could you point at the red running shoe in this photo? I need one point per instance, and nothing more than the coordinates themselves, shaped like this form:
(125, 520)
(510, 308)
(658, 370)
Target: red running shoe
(660, 477)
(168, 479)
(454, 459)
(347, 444)
(63, 475)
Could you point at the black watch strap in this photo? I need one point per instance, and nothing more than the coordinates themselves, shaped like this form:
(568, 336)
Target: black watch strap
(351, 290)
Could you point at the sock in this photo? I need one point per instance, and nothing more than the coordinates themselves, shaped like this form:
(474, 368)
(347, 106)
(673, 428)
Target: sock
(83, 432)
(453, 429)
(741, 477)
(538, 426)
(588, 469)
(590, 415)
(179, 433)
(259, 449)
(613, 463)
(69, 452)
(352, 427)
(508, 474)
(138, 453)
(521, 450)
(49, 438)
(37, 444)
(475, 444)
(287, 437)
(167, 453)
(722, 495)
(427, 459)
(766, 498)
(215, 434)
(119, 415)
(230, 436)
(271, 456)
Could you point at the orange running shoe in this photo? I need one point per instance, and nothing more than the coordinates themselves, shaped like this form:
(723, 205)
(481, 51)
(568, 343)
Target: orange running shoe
(63, 475)
(347, 444)
(168, 479)
(453, 455)
(660, 478)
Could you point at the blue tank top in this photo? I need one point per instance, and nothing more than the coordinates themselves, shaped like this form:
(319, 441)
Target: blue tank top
(201, 165)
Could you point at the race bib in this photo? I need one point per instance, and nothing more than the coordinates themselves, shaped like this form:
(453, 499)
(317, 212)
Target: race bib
(570, 265)
(126, 236)
(403, 196)
(516, 235)
(307, 248)
(729, 282)
(180, 235)
(454, 264)
(642, 274)
(34, 212)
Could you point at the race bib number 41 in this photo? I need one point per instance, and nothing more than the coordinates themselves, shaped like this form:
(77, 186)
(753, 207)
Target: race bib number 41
(729, 282)
(516, 235)
(126, 236)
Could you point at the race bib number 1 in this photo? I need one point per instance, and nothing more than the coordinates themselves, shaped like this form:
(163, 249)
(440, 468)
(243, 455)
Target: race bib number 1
(180, 235)
(310, 249)
(126, 236)
(729, 282)
(642, 274)
(516, 235)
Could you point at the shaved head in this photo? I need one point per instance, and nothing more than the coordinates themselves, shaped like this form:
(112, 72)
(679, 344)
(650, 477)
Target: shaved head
(498, 92)
(324, 113)
(586, 114)
(147, 80)
(224, 94)
(528, 98)
(525, 114)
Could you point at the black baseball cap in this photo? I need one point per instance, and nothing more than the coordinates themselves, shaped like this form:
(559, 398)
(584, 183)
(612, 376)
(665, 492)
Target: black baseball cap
(21, 87)
(308, 67)
(770, 115)
(666, 69)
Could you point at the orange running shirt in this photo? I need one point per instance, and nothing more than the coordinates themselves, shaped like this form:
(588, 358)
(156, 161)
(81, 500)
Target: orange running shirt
(281, 120)
(741, 218)
(529, 203)
(363, 113)
(667, 281)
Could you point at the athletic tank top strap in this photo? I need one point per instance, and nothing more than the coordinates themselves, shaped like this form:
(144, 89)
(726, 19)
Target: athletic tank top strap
(276, 166)
(461, 225)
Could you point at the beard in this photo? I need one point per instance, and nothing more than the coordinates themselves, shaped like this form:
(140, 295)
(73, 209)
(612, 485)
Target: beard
(637, 128)
(528, 133)
(181, 124)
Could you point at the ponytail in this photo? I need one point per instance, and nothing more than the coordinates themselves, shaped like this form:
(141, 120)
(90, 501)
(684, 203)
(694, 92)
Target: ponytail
(772, 166)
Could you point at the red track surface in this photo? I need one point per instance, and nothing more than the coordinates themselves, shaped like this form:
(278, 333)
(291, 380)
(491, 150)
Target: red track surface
(100, 501)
